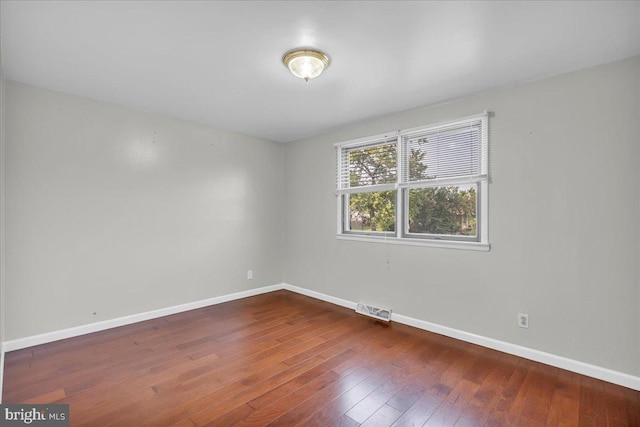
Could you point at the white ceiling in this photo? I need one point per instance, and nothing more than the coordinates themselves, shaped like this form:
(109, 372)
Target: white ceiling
(219, 63)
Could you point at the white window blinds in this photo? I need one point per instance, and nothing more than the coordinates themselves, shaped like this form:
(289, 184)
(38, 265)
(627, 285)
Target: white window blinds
(451, 152)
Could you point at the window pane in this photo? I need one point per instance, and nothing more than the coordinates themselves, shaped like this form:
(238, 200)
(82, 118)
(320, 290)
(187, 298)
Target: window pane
(443, 210)
(372, 212)
(372, 165)
(443, 154)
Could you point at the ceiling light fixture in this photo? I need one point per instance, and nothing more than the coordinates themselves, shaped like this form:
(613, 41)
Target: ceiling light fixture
(306, 63)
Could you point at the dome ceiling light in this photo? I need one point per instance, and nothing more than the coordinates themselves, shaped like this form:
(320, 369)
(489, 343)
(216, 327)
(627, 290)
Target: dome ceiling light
(306, 63)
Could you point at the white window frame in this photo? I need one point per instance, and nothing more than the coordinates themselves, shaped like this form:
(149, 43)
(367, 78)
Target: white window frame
(401, 235)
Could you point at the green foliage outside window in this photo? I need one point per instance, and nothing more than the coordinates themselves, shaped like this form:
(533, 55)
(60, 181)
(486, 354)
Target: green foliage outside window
(449, 210)
(443, 210)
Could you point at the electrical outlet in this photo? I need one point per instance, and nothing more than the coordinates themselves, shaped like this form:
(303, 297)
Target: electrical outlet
(249, 274)
(523, 320)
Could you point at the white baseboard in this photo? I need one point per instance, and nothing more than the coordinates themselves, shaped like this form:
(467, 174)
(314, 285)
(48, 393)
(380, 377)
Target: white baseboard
(20, 343)
(583, 368)
(320, 296)
(587, 369)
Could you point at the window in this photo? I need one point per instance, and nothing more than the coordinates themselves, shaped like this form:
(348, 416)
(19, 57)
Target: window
(426, 186)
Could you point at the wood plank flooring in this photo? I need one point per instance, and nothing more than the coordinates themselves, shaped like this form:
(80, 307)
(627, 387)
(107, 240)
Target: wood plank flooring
(283, 359)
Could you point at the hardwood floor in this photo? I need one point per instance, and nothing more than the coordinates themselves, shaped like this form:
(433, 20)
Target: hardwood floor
(283, 359)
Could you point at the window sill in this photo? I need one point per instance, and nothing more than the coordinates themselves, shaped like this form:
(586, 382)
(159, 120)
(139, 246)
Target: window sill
(445, 244)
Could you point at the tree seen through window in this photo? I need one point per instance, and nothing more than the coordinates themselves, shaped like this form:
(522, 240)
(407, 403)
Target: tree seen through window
(446, 210)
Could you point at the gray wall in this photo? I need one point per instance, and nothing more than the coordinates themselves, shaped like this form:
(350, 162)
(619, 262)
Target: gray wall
(117, 212)
(564, 208)
(2, 259)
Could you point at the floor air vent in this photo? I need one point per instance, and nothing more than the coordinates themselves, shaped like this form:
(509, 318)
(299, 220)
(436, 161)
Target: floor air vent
(377, 312)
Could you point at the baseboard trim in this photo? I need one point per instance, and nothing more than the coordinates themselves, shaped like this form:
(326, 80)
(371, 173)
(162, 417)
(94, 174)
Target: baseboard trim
(20, 343)
(576, 366)
(587, 369)
(583, 368)
(320, 296)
